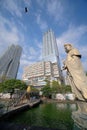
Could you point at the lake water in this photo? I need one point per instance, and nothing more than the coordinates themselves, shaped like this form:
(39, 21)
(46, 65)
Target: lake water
(52, 115)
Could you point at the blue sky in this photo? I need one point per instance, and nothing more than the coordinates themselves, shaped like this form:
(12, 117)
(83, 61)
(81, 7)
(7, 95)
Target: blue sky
(67, 18)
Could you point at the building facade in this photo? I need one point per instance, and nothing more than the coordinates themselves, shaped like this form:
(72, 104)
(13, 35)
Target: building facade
(49, 67)
(36, 73)
(50, 49)
(50, 52)
(9, 62)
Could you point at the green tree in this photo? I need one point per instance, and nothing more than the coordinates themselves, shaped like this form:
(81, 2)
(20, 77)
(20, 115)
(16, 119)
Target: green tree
(33, 89)
(55, 86)
(47, 82)
(67, 88)
(10, 84)
(46, 91)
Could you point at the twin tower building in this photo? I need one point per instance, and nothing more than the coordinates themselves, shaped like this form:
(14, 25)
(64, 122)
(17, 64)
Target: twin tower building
(34, 74)
(9, 62)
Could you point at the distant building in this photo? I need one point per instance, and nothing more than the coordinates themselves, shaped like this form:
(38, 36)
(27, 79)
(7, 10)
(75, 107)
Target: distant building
(36, 73)
(9, 62)
(49, 48)
(49, 67)
(50, 52)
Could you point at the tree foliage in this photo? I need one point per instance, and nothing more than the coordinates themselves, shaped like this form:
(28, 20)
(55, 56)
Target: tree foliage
(54, 87)
(10, 84)
(46, 91)
(33, 89)
(47, 83)
(67, 88)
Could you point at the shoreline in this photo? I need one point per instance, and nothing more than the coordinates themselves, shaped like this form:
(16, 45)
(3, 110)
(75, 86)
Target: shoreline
(58, 101)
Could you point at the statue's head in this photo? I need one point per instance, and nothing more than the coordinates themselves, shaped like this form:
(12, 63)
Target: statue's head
(67, 47)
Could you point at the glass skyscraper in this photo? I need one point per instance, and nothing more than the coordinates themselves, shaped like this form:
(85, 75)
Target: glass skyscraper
(50, 50)
(49, 67)
(9, 62)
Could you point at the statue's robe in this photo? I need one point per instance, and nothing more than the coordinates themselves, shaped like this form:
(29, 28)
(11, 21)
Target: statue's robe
(80, 116)
(76, 73)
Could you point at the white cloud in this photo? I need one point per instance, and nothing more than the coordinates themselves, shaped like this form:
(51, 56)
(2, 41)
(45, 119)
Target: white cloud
(9, 33)
(27, 57)
(54, 6)
(16, 7)
(56, 9)
(27, 2)
(39, 44)
(24, 62)
(32, 51)
(83, 50)
(13, 7)
(41, 3)
(43, 25)
(73, 34)
(31, 54)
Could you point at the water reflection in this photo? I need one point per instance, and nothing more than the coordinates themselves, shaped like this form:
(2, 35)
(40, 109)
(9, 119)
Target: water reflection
(50, 115)
(72, 107)
(61, 106)
(80, 116)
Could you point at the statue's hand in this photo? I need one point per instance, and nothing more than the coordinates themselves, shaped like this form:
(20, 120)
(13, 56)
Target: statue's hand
(64, 62)
(64, 67)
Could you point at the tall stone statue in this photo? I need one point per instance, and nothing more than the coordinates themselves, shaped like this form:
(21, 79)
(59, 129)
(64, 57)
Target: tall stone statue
(76, 74)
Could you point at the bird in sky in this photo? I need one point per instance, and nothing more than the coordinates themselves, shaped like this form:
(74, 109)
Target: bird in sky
(26, 9)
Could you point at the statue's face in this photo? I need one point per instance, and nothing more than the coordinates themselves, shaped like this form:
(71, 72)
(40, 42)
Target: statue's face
(67, 48)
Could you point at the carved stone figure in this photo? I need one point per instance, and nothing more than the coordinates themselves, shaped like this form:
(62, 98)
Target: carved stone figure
(76, 74)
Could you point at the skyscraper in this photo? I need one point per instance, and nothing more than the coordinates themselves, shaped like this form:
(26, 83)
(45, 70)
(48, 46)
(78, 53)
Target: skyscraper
(49, 67)
(50, 51)
(9, 62)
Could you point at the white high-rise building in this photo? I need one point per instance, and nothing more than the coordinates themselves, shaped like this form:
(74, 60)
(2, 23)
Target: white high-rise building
(9, 62)
(50, 51)
(36, 73)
